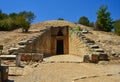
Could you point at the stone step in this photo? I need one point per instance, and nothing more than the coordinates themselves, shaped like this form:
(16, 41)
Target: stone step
(11, 50)
(82, 37)
(88, 44)
(97, 50)
(93, 46)
(97, 56)
(84, 31)
(99, 53)
(89, 41)
(23, 42)
(22, 46)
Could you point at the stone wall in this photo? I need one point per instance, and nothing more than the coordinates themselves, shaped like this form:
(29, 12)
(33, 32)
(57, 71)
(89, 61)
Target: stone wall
(77, 46)
(45, 42)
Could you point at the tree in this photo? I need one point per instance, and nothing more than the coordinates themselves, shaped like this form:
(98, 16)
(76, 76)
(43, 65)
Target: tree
(22, 23)
(16, 20)
(13, 15)
(6, 24)
(28, 15)
(3, 15)
(91, 24)
(83, 20)
(104, 21)
(60, 19)
(116, 25)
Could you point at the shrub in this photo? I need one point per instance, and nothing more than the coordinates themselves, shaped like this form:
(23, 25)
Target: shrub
(84, 21)
(104, 21)
(117, 27)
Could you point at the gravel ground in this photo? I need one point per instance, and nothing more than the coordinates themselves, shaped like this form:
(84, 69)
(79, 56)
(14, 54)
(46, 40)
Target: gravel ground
(66, 72)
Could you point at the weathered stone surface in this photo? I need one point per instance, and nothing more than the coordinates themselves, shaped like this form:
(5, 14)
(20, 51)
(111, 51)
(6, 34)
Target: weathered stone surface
(31, 56)
(103, 56)
(86, 58)
(23, 42)
(22, 46)
(4, 73)
(11, 50)
(1, 47)
(87, 40)
(85, 31)
(95, 58)
(93, 46)
(98, 50)
(98, 56)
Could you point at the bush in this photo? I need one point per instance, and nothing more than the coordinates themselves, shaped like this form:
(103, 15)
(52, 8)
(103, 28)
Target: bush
(84, 21)
(117, 27)
(104, 21)
(14, 21)
(22, 23)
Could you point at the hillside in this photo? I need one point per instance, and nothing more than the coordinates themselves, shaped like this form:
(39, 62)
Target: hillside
(108, 41)
(11, 38)
(61, 71)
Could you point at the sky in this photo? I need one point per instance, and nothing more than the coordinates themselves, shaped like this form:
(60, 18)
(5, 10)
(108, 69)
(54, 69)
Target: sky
(70, 10)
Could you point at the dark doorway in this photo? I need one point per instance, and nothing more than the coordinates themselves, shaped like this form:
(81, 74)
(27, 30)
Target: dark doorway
(60, 47)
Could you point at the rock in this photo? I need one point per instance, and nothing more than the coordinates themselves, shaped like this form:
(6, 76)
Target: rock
(22, 47)
(84, 31)
(98, 50)
(94, 58)
(23, 42)
(103, 62)
(86, 58)
(94, 46)
(31, 56)
(11, 50)
(1, 47)
(113, 53)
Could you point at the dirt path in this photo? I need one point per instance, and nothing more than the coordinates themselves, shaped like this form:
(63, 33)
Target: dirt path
(68, 72)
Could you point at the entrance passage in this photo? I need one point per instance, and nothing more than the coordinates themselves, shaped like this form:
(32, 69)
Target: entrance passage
(60, 47)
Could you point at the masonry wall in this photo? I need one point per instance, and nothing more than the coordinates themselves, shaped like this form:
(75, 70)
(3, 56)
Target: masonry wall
(40, 43)
(55, 37)
(46, 41)
(77, 47)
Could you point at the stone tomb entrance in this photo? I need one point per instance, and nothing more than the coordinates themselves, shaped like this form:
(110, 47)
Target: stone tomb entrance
(59, 40)
(60, 47)
(50, 41)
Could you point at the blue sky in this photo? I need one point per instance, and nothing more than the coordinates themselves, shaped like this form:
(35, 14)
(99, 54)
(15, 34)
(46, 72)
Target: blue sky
(70, 10)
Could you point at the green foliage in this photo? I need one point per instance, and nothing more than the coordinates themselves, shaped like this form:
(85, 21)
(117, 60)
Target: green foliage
(14, 21)
(84, 21)
(13, 15)
(3, 15)
(21, 22)
(104, 21)
(91, 24)
(28, 15)
(78, 28)
(60, 19)
(6, 24)
(117, 27)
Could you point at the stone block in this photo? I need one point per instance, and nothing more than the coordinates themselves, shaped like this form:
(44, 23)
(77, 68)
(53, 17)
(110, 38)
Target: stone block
(86, 58)
(95, 58)
(97, 50)
(23, 42)
(103, 56)
(1, 47)
(98, 56)
(93, 46)
(84, 31)
(4, 73)
(22, 46)
(11, 50)
(31, 56)
(89, 40)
